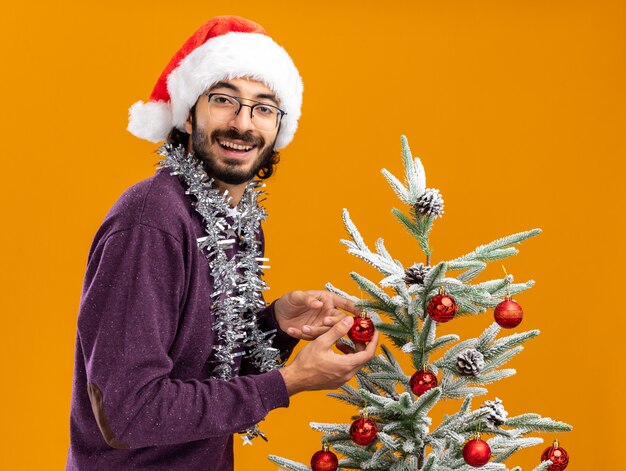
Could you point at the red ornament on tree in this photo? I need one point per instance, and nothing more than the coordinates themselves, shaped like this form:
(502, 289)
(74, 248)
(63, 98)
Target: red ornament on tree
(557, 455)
(324, 460)
(476, 452)
(362, 329)
(508, 313)
(363, 431)
(441, 307)
(422, 381)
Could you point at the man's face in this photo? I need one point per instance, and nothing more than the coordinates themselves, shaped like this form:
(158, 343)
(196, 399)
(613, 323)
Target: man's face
(213, 141)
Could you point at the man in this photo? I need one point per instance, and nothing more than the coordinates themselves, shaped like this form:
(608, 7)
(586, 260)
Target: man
(175, 348)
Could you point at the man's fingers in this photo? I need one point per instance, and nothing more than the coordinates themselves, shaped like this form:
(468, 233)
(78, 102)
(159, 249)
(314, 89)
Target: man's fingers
(335, 317)
(335, 332)
(314, 332)
(299, 298)
(362, 357)
(344, 304)
(343, 347)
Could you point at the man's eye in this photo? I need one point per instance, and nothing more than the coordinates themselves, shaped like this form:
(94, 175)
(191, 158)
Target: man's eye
(265, 110)
(221, 100)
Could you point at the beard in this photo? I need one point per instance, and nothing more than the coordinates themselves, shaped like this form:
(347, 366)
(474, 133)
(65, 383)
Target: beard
(231, 171)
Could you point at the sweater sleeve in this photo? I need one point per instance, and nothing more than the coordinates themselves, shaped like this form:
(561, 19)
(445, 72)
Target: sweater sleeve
(127, 323)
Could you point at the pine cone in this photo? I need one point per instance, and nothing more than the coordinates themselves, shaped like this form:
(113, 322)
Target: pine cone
(497, 414)
(414, 275)
(470, 362)
(430, 203)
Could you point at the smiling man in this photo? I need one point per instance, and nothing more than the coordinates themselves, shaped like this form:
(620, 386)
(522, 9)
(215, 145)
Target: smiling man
(176, 349)
(243, 152)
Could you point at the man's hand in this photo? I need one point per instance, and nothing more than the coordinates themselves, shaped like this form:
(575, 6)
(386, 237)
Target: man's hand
(317, 366)
(308, 314)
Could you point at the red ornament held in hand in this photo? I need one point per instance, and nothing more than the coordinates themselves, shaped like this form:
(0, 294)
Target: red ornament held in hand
(363, 431)
(442, 307)
(362, 331)
(508, 313)
(476, 452)
(422, 381)
(557, 455)
(324, 460)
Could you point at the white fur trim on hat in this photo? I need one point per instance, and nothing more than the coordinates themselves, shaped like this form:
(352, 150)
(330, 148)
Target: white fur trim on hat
(151, 121)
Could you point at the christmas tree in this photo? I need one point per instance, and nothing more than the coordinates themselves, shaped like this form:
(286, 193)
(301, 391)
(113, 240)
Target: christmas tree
(394, 431)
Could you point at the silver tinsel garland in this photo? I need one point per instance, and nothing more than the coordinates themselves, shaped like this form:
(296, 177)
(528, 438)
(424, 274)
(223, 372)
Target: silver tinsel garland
(237, 284)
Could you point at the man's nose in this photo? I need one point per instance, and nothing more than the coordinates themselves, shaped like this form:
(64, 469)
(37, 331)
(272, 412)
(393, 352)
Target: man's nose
(242, 121)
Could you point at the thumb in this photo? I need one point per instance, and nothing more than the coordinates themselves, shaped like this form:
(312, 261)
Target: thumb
(337, 331)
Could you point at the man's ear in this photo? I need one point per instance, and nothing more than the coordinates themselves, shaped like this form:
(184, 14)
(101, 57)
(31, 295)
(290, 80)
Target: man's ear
(188, 126)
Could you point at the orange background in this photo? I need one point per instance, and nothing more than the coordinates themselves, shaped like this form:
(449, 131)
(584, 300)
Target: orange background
(517, 109)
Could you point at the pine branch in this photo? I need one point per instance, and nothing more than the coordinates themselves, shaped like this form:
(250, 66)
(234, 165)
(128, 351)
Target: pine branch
(375, 306)
(506, 343)
(431, 461)
(414, 171)
(473, 269)
(433, 277)
(330, 428)
(424, 226)
(426, 334)
(386, 268)
(487, 337)
(354, 452)
(486, 252)
(426, 402)
(543, 466)
(373, 290)
(398, 188)
(329, 287)
(288, 464)
(380, 459)
(353, 231)
(497, 361)
(535, 423)
(388, 440)
(412, 229)
(349, 395)
(440, 342)
(491, 376)
(364, 383)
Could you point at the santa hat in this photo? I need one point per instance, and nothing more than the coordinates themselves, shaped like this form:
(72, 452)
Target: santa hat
(225, 47)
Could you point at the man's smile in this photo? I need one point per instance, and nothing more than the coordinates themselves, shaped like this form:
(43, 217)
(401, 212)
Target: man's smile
(236, 148)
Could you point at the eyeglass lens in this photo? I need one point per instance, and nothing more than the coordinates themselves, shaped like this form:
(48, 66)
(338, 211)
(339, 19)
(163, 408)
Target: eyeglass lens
(225, 108)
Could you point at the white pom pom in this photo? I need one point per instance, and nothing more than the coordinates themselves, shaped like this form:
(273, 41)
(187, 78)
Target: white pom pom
(151, 121)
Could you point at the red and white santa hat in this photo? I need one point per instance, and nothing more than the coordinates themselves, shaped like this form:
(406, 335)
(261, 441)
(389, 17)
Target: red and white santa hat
(225, 47)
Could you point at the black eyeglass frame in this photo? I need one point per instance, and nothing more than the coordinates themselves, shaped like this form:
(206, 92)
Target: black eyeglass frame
(238, 99)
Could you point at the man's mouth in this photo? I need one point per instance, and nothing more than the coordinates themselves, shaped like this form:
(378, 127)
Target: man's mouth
(240, 147)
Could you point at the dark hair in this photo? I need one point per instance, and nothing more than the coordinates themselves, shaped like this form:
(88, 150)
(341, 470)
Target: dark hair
(177, 138)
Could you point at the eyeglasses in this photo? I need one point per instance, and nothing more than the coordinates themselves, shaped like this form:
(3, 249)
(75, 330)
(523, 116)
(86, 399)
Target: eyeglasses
(224, 108)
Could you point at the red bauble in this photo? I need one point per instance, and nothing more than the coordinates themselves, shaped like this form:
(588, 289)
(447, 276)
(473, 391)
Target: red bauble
(476, 453)
(557, 455)
(508, 314)
(422, 381)
(441, 308)
(362, 330)
(324, 460)
(363, 431)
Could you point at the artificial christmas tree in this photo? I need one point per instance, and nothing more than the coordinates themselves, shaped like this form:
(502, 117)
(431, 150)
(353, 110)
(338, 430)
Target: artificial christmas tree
(412, 301)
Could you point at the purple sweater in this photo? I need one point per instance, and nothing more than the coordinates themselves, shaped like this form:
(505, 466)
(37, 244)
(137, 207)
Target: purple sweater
(142, 394)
